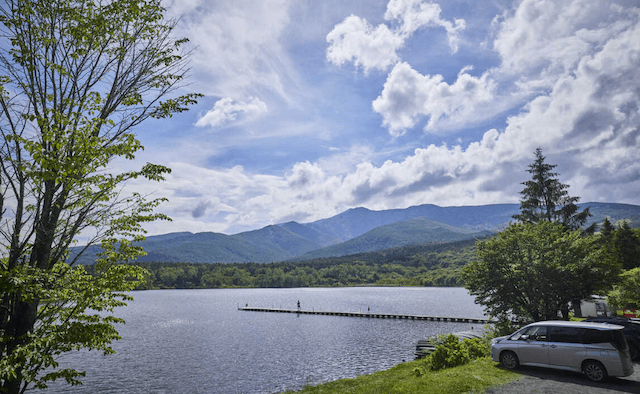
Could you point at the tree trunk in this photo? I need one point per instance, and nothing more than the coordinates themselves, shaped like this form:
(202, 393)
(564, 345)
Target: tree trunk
(577, 308)
(21, 323)
(565, 312)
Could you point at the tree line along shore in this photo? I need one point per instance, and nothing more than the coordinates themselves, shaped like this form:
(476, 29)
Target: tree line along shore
(420, 265)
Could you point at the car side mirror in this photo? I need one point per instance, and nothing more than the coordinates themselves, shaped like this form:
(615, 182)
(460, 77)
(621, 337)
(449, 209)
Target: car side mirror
(525, 338)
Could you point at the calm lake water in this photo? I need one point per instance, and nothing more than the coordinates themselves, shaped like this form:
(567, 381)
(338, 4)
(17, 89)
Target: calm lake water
(197, 341)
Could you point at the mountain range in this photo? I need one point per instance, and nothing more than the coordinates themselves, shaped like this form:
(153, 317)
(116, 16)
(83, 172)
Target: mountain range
(356, 230)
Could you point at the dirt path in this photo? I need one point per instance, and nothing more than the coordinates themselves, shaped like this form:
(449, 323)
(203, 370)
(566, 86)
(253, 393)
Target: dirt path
(546, 381)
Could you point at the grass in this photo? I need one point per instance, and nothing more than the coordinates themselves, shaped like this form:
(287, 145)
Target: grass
(414, 377)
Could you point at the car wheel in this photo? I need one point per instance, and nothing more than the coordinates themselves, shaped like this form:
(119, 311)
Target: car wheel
(509, 360)
(594, 371)
(633, 349)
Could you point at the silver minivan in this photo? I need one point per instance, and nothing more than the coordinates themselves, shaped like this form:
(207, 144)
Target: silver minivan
(598, 350)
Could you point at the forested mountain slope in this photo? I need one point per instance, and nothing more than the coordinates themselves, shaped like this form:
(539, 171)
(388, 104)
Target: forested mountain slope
(353, 231)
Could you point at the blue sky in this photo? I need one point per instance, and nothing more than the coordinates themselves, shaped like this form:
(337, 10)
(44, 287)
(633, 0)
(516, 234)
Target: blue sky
(314, 107)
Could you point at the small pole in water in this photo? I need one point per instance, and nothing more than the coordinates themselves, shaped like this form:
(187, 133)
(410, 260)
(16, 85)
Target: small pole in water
(298, 305)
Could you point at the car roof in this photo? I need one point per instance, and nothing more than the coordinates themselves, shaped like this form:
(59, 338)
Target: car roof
(580, 324)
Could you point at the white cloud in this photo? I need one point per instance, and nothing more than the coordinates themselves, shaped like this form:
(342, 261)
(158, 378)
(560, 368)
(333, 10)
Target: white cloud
(237, 52)
(542, 38)
(540, 42)
(354, 39)
(593, 112)
(415, 14)
(581, 107)
(304, 175)
(408, 97)
(226, 110)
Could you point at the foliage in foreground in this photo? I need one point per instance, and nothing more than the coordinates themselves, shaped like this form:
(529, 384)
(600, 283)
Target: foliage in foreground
(74, 313)
(76, 79)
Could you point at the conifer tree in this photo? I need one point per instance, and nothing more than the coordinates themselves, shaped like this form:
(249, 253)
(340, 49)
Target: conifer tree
(607, 230)
(546, 199)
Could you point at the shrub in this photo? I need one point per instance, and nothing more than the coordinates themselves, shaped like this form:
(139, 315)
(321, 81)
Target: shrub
(477, 347)
(451, 351)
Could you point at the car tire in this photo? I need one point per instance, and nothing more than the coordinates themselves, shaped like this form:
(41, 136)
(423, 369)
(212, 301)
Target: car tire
(509, 360)
(595, 371)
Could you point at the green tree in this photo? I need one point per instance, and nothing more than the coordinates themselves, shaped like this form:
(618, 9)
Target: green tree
(76, 78)
(532, 272)
(607, 230)
(626, 294)
(546, 199)
(626, 245)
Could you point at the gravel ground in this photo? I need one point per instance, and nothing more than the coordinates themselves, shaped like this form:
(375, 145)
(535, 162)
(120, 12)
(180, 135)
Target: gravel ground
(547, 381)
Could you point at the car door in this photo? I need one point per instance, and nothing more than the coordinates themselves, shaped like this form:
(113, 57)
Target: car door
(566, 350)
(533, 347)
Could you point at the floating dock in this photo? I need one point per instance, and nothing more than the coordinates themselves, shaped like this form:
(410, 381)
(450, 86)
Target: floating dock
(370, 315)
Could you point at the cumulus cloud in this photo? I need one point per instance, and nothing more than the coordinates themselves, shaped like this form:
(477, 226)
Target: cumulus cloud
(355, 40)
(540, 40)
(582, 108)
(539, 43)
(305, 174)
(227, 110)
(408, 97)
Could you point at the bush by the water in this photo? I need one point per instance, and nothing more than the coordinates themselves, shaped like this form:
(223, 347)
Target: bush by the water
(451, 351)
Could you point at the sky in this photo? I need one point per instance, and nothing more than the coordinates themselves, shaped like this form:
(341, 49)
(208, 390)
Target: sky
(314, 107)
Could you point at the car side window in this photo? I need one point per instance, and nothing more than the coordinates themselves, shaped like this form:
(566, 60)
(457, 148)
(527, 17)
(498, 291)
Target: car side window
(536, 333)
(596, 336)
(565, 334)
(540, 334)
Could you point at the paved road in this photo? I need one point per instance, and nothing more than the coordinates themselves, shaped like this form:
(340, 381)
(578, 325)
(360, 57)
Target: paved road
(546, 381)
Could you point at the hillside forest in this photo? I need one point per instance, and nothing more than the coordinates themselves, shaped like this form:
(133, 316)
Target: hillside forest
(419, 265)
(437, 264)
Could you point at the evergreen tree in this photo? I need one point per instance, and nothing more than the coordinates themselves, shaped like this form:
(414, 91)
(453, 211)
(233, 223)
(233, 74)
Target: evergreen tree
(607, 230)
(626, 245)
(545, 198)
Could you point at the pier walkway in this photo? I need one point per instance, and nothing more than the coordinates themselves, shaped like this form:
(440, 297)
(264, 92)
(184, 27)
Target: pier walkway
(370, 315)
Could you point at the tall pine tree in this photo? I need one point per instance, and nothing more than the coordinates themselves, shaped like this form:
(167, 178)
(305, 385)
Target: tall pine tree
(545, 198)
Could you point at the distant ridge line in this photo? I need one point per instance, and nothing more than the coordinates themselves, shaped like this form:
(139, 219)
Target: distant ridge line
(355, 231)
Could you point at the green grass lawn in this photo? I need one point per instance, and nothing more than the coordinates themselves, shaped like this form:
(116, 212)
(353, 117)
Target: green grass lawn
(413, 377)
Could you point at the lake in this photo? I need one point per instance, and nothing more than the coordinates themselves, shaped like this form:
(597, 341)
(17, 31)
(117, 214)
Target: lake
(197, 341)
